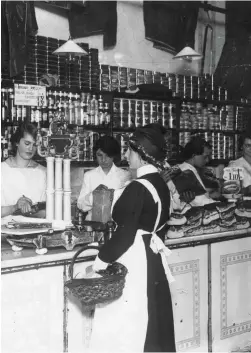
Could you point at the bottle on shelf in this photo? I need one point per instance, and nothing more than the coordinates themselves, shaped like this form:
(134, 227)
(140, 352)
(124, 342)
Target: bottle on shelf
(4, 105)
(93, 109)
(45, 121)
(24, 112)
(66, 111)
(13, 109)
(107, 114)
(19, 113)
(101, 114)
(71, 113)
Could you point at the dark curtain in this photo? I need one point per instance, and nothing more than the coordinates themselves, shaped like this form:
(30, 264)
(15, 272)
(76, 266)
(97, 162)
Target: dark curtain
(233, 71)
(18, 23)
(94, 17)
(171, 25)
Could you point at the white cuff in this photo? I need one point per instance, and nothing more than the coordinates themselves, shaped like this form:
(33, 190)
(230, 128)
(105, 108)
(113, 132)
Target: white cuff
(99, 264)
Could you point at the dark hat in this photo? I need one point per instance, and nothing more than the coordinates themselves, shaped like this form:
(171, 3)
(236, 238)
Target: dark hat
(149, 142)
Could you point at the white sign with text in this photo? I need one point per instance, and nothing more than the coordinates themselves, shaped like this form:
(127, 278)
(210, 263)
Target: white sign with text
(31, 95)
(233, 173)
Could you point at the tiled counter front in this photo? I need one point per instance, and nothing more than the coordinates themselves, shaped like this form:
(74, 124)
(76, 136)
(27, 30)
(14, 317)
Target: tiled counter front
(190, 298)
(212, 289)
(231, 294)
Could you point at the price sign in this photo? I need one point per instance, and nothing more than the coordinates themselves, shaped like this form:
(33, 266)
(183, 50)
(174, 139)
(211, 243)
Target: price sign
(31, 95)
(233, 173)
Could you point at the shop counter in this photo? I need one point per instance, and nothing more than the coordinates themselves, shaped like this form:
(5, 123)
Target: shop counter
(211, 296)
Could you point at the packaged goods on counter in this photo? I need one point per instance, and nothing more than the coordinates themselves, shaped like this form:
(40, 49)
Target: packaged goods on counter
(102, 202)
(208, 219)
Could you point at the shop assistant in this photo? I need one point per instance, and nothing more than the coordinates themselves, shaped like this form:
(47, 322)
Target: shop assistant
(23, 181)
(245, 163)
(107, 151)
(197, 153)
(141, 320)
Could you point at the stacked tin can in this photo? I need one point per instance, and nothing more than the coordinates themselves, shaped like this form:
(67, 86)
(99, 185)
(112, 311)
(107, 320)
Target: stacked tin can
(185, 118)
(238, 146)
(123, 78)
(214, 118)
(156, 77)
(239, 119)
(140, 77)
(114, 72)
(164, 79)
(83, 69)
(148, 76)
(131, 113)
(104, 78)
(222, 146)
(227, 117)
(93, 69)
(122, 139)
(132, 77)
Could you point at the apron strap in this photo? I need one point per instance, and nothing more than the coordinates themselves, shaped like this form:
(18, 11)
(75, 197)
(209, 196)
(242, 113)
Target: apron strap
(156, 244)
(156, 198)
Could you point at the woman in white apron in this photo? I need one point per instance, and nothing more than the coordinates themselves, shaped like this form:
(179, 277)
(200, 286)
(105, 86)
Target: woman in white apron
(142, 319)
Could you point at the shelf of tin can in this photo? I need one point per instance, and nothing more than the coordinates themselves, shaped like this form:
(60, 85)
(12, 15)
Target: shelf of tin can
(213, 101)
(208, 130)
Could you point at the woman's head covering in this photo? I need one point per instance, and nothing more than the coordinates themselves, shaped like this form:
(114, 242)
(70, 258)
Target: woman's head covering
(149, 142)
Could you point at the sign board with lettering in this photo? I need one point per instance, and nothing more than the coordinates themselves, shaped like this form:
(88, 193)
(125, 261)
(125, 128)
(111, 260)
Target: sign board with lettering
(233, 173)
(31, 95)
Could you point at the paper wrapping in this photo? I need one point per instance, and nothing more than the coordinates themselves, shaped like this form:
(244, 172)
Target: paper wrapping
(49, 205)
(102, 203)
(58, 205)
(50, 173)
(58, 173)
(67, 175)
(67, 206)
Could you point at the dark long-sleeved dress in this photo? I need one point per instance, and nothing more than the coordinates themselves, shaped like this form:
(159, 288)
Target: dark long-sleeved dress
(142, 319)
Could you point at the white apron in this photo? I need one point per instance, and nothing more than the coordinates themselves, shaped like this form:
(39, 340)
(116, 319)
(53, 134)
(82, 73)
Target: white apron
(121, 325)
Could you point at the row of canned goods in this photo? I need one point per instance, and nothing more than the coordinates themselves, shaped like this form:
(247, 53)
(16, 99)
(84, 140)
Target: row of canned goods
(222, 145)
(130, 113)
(114, 78)
(196, 116)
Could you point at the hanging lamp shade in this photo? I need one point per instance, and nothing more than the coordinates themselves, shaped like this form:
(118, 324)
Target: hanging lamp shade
(70, 48)
(188, 54)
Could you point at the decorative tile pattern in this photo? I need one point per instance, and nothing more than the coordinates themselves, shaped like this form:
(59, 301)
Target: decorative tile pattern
(227, 260)
(182, 268)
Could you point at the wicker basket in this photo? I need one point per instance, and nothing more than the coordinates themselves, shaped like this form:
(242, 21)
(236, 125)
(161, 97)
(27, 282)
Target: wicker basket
(92, 291)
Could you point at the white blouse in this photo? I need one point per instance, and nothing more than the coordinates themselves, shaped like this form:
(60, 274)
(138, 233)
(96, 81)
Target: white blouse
(115, 179)
(16, 182)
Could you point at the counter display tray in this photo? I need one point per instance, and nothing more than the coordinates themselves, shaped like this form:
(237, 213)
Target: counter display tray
(42, 239)
(42, 242)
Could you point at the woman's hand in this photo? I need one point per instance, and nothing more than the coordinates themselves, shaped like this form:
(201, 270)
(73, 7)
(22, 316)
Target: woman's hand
(24, 204)
(215, 194)
(187, 196)
(166, 174)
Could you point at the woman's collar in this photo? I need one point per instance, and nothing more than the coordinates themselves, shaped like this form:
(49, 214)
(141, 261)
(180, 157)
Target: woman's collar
(12, 163)
(113, 168)
(146, 169)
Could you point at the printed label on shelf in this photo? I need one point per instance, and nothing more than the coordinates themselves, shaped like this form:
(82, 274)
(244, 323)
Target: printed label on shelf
(31, 95)
(233, 173)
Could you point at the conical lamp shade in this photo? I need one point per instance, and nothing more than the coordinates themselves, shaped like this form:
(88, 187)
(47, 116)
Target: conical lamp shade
(188, 54)
(70, 48)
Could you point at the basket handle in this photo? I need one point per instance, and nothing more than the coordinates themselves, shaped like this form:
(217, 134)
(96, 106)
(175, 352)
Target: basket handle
(86, 247)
